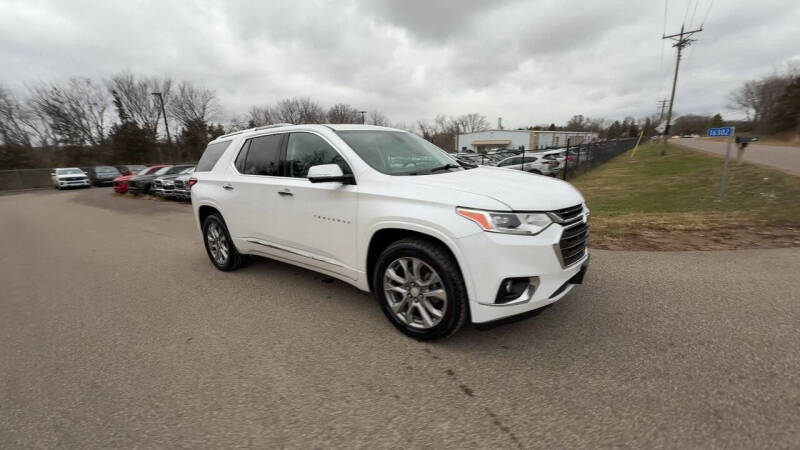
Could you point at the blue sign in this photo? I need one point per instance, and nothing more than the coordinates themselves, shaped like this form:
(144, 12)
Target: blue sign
(720, 132)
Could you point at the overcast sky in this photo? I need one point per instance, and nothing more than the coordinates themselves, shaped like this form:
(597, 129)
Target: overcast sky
(530, 62)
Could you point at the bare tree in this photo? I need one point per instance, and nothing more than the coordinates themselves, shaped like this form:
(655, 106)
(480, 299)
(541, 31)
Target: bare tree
(343, 113)
(192, 105)
(310, 111)
(76, 111)
(136, 97)
(471, 123)
(287, 111)
(376, 117)
(757, 98)
(13, 121)
(578, 123)
(260, 115)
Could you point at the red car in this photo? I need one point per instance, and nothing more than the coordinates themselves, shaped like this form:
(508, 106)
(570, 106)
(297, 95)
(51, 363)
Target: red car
(121, 183)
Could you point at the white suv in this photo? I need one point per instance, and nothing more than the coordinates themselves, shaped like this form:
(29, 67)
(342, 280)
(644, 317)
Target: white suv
(389, 212)
(530, 163)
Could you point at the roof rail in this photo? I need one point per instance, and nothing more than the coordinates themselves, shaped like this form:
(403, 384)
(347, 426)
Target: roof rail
(274, 125)
(263, 127)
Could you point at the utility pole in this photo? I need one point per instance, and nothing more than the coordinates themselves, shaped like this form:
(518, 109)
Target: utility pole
(682, 40)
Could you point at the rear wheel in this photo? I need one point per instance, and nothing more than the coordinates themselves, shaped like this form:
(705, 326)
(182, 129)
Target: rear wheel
(420, 289)
(219, 245)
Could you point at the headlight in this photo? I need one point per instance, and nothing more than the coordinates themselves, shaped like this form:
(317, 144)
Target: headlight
(512, 223)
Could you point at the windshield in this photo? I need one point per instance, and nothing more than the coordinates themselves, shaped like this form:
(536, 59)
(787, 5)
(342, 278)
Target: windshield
(398, 152)
(69, 171)
(177, 169)
(106, 169)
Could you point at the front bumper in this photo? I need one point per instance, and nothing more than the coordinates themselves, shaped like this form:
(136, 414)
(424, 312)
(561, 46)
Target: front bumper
(492, 257)
(73, 183)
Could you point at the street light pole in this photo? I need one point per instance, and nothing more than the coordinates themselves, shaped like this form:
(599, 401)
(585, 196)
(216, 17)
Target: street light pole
(164, 112)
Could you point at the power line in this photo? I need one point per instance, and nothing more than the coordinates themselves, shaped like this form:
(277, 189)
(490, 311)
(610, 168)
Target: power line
(686, 15)
(706, 16)
(696, 4)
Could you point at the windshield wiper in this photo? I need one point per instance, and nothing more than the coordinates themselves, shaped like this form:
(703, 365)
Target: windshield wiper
(445, 167)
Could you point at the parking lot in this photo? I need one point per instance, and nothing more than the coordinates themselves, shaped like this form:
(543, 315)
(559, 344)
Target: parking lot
(117, 332)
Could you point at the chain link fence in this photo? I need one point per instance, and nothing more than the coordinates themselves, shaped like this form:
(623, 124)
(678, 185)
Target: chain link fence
(574, 159)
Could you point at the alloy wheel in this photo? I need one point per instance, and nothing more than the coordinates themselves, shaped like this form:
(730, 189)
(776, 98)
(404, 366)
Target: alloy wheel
(415, 292)
(217, 244)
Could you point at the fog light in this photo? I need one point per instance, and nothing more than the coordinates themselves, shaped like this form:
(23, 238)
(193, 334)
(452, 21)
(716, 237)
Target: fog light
(512, 289)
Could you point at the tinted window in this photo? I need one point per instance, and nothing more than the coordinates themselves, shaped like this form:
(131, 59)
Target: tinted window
(242, 156)
(263, 156)
(305, 150)
(177, 169)
(509, 162)
(211, 156)
(150, 170)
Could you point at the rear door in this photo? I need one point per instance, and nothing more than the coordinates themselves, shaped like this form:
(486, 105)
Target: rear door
(252, 190)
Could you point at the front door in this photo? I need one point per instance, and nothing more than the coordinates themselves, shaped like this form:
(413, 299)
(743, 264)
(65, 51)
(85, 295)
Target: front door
(318, 220)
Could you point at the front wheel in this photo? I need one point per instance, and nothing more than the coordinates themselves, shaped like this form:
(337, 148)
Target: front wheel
(420, 289)
(219, 245)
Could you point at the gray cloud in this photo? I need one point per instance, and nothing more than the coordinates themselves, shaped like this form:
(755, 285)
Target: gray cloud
(530, 62)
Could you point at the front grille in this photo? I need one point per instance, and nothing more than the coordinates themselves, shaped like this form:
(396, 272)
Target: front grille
(575, 235)
(179, 184)
(569, 214)
(72, 178)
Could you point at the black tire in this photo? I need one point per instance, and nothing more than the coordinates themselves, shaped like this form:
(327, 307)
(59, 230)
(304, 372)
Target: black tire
(440, 260)
(234, 259)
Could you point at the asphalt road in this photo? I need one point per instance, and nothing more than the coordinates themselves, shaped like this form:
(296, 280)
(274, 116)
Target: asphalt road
(784, 158)
(116, 332)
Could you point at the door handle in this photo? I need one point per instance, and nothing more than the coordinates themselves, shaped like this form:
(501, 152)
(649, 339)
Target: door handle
(285, 192)
(227, 186)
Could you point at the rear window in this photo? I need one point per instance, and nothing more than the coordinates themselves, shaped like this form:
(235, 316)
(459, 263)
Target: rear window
(212, 154)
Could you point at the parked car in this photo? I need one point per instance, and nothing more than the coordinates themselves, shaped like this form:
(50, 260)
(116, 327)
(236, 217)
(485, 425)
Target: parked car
(121, 183)
(164, 185)
(530, 163)
(103, 175)
(181, 191)
(131, 169)
(66, 177)
(437, 244)
(141, 184)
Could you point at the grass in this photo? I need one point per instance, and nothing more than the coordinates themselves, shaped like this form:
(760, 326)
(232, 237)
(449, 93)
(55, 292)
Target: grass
(650, 201)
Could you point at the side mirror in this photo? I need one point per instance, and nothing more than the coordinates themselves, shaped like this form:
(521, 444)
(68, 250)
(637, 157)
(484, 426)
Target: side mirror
(328, 173)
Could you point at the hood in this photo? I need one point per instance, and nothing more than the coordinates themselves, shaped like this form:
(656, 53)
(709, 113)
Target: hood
(521, 191)
(71, 175)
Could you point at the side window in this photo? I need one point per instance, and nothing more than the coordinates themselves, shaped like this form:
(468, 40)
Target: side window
(242, 156)
(211, 155)
(305, 150)
(263, 155)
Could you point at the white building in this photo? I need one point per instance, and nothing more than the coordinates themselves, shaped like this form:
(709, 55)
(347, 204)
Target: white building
(482, 141)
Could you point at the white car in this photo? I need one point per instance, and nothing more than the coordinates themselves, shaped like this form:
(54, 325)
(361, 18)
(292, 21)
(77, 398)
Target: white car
(69, 177)
(388, 212)
(529, 163)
